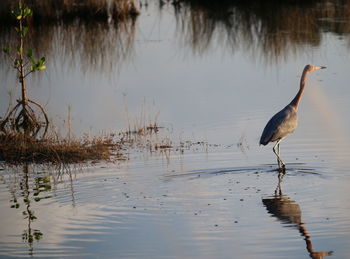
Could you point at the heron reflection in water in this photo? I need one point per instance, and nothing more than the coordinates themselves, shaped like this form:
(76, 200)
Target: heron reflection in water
(285, 121)
(289, 212)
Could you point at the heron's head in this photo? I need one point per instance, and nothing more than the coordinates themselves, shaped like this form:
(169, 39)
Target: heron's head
(311, 68)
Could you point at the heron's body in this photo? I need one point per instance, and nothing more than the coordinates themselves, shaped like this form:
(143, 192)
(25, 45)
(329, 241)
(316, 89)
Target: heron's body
(280, 125)
(285, 121)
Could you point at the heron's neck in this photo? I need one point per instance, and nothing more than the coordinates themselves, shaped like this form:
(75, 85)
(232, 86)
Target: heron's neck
(295, 102)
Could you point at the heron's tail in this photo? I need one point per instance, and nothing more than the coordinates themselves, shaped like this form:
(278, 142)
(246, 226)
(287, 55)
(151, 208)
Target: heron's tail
(262, 142)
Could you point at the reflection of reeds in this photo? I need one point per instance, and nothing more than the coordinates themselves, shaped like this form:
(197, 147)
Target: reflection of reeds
(272, 28)
(95, 46)
(57, 10)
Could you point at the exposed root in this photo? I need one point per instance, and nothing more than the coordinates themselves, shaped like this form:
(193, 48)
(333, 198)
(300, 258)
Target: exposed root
(24, 119)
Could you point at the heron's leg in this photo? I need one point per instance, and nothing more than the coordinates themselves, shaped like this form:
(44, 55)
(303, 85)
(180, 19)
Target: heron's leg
(278, 190)
(279, 160)
(278, 152)
(281, 165)
(274, 151)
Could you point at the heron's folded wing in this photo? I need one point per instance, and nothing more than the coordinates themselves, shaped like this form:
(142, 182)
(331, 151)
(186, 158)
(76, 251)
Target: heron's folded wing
(280, 125)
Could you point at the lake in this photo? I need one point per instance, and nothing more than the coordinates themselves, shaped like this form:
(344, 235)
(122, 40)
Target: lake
(211, 76)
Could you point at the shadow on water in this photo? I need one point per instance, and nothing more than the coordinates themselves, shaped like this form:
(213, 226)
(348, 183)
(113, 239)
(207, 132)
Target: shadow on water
(267, 29)
(289, 213)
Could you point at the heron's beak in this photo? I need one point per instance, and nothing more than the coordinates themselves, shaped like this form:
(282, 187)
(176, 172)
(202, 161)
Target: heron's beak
(317, 68)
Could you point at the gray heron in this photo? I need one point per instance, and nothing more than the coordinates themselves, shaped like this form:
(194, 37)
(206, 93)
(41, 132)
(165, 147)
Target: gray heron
(285, 121)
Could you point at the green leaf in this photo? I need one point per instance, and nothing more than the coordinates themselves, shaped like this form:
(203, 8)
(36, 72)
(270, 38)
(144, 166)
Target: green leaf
(37, 65)
(27, 12)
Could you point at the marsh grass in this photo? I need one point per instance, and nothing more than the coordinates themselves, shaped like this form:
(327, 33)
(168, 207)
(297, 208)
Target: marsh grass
(19, 149)
(64, 152)
(61, 147)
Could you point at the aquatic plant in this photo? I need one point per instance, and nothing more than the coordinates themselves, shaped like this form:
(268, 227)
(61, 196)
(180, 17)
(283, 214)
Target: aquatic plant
(25, 116)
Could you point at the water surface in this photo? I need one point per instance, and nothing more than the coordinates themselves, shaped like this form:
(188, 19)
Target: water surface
(208, 75)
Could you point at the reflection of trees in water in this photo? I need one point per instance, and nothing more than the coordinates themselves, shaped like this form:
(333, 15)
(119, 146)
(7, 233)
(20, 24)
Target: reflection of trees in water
(27, 187)
(92, 46)
(272, 29)
(289, 212)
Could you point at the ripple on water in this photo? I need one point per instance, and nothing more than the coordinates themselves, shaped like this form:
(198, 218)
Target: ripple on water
(143, 212)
